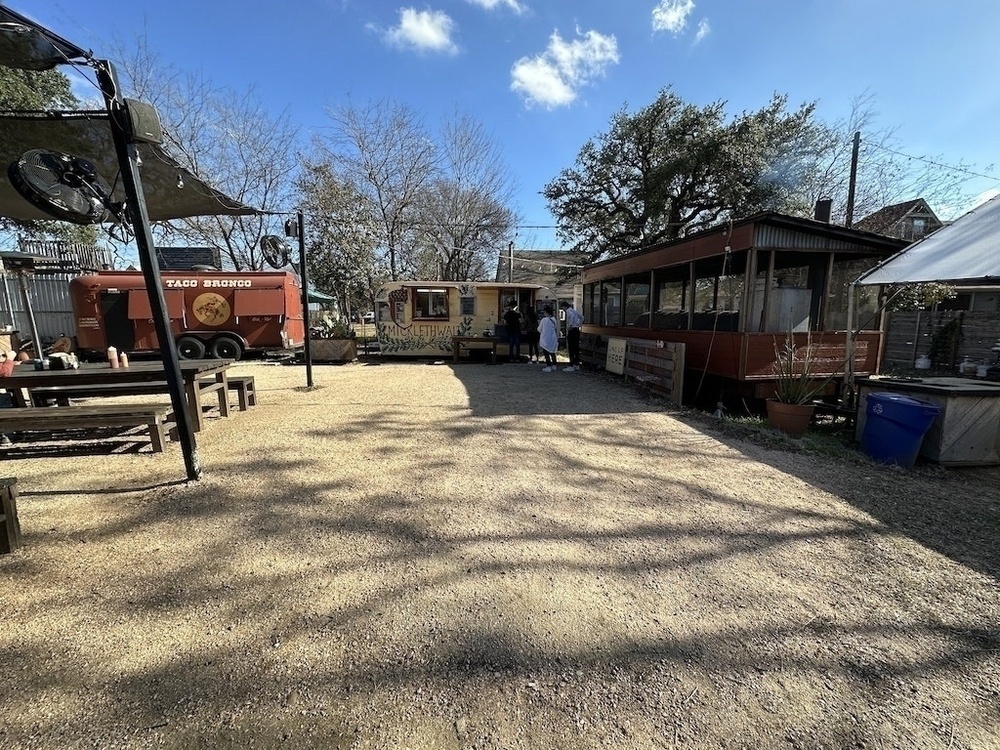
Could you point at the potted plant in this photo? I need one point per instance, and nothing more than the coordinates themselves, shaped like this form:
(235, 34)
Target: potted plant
(796, 384)
(333, 341)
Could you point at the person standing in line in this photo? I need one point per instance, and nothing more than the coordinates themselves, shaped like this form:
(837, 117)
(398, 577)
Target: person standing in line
(512, 319)
(548, 338)
(574, 319)
(530, 335)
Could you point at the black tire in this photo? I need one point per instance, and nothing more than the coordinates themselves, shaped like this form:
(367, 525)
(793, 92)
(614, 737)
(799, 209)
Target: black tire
(190, 347)
(226, 347)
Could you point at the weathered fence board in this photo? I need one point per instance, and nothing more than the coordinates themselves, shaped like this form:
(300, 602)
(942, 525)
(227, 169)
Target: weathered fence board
(909, 335)
(659, 368)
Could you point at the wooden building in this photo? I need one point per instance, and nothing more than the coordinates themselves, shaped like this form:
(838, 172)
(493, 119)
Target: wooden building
(733, 294)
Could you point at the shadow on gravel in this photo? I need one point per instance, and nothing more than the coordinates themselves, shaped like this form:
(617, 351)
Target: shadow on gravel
(954, 511)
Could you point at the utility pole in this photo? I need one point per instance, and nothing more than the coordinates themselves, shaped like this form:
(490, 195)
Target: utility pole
(849, 217)
(510, 262)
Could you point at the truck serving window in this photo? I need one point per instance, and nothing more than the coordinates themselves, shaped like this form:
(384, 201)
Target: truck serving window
(430, 303)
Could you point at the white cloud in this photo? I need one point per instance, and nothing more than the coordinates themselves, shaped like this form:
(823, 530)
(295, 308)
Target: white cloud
(552, 78)
(514, 5)
(672, 15)
(423, 30)
(703, 30)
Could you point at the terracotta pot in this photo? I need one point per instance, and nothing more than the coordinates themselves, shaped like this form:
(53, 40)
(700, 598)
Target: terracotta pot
(791, 419)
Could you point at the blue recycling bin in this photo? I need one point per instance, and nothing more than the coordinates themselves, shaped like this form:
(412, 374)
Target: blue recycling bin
(895, 427)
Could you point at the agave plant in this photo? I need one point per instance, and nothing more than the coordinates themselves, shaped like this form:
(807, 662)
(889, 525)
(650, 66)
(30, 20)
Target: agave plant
(796, 381)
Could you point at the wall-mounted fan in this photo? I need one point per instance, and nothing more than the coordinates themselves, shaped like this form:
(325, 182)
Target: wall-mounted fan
(66, 187)
(276, 251)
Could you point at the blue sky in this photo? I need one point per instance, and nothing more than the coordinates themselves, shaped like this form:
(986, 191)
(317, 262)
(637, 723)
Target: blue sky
(546, 75)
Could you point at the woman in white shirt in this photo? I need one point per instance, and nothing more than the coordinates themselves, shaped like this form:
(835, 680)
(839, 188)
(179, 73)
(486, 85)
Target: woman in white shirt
(548, 338)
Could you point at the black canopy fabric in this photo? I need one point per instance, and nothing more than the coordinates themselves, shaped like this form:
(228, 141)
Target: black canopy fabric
(171, 191)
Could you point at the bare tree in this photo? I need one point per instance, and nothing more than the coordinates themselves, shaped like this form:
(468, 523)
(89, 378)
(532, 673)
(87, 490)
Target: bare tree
(885, 175)
(384, 151)
(464, 215)
(228, 139)
(440, 205)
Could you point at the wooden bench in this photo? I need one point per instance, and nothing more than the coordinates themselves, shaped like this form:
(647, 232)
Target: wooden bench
(245, 393)
(10, 527)
(243, 385)
(34, 419)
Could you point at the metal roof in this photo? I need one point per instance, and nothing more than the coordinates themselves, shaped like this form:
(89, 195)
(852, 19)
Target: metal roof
(966, 251)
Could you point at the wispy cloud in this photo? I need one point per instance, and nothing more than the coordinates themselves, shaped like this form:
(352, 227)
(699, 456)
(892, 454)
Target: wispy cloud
(553, 78)
(514, 5)
(703, 30)
(672, 15)
(423, 30)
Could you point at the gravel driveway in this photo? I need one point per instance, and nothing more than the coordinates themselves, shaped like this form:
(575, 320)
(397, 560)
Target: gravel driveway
(415, 555)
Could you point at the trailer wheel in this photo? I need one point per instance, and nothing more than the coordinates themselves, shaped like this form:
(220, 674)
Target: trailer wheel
(190, 347)
(226, 347)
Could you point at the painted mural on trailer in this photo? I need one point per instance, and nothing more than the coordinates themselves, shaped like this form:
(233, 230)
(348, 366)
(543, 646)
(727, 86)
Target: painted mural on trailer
(420, 318)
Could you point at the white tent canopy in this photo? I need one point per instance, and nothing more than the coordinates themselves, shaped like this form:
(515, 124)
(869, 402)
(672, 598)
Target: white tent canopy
(966, 252)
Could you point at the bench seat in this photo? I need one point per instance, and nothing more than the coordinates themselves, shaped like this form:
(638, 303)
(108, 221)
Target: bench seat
(244, 387)
(34, 419)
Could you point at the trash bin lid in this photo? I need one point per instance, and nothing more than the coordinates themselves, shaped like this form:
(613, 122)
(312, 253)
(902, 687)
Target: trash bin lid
(880, 403)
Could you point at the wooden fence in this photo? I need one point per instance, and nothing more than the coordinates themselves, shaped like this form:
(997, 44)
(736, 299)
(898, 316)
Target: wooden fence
(911, 334)
(659, 368)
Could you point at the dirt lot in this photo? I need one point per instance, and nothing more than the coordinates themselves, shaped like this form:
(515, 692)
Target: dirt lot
(428, 556)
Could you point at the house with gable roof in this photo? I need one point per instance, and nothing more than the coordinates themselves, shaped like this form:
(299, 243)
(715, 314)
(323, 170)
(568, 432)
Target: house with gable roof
(911, 220)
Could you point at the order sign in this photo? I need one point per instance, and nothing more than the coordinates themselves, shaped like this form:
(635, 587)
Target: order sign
(616, 356)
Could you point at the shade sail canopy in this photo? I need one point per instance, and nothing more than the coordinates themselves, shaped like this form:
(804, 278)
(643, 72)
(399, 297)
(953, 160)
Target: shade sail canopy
(965, 252)
(88, 135)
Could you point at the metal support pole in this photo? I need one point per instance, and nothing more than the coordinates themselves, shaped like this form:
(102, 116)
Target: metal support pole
(849, 346)
(128, 162)
(26, 301)
(307, 351)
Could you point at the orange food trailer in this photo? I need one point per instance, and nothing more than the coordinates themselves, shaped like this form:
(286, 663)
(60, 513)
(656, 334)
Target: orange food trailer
(223, 314)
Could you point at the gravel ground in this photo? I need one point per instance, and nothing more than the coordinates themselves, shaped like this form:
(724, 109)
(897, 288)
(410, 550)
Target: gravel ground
(415, 555)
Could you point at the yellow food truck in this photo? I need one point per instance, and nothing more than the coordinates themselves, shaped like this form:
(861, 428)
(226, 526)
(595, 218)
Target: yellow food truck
(423, 318)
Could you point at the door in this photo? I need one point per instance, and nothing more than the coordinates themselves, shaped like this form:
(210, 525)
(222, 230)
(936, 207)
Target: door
(118, 328)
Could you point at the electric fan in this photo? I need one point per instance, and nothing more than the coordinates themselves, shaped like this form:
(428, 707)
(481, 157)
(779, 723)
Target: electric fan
(276, 251)
(66, 187)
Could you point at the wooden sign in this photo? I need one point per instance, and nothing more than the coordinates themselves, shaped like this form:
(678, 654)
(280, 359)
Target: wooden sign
(616, 356)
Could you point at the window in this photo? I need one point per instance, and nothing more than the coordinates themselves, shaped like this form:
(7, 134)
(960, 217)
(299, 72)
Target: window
(611, 302)
(430, 303)
(670, 286)
(637, 300)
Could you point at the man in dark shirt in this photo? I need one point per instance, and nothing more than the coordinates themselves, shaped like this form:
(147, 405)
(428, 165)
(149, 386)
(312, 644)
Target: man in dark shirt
(512, 319)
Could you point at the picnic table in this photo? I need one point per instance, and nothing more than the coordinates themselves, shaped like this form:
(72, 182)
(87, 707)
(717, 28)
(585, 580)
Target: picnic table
(200, 376)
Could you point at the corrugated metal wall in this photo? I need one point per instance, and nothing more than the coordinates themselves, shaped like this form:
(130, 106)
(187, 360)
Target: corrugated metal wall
(767, 236)
(49, 297)
(48, 291)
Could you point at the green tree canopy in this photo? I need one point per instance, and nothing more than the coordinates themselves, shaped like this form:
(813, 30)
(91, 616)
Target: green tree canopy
(671, 168)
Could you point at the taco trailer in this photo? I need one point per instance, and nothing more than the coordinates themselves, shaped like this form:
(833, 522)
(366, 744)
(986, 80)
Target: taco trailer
(221, 314)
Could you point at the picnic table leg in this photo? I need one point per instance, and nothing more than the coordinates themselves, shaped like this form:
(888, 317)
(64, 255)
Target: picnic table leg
(223, 393)
(455, 350)
(194, 404)
(157, 435)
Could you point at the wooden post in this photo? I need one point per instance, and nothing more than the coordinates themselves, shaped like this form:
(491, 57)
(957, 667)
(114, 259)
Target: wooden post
(10, 527)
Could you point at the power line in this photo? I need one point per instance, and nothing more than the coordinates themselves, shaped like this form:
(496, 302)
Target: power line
(934, 163)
